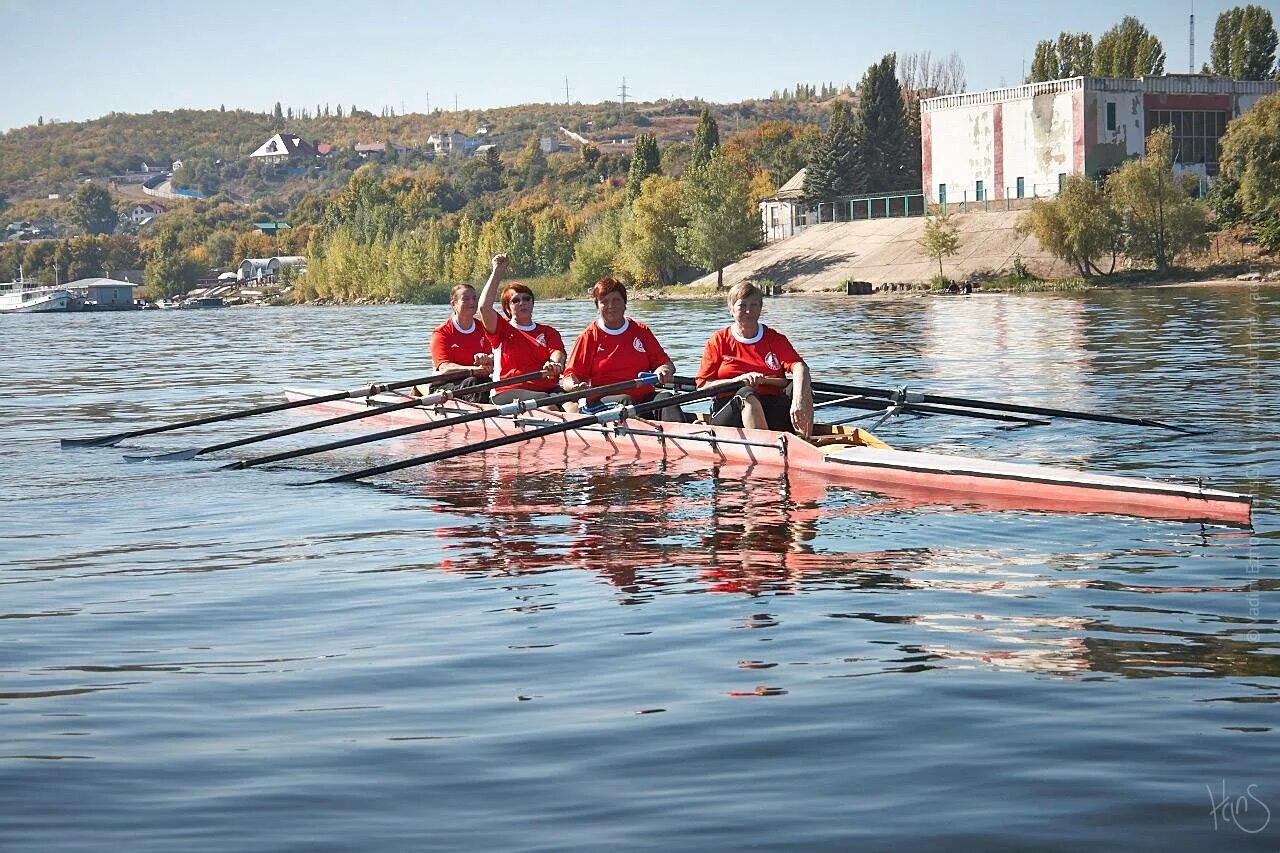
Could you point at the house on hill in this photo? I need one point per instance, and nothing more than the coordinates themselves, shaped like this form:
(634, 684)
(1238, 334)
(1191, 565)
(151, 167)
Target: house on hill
(451, 141)
(283, 148)
(140, 213)
(271, 229)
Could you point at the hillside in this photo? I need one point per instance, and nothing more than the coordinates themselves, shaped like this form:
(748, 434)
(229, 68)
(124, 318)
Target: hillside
(40, 160)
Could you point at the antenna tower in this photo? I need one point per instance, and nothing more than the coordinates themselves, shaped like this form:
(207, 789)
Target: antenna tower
(1191, 61)
(623, 93)
(566, 91)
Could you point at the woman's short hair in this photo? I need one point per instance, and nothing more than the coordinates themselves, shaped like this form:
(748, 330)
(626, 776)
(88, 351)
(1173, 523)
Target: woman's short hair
(511, 290)
(743, 290)
(605, 286)
(456, 293)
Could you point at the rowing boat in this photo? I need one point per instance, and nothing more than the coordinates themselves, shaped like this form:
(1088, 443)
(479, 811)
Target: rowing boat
(836, 455)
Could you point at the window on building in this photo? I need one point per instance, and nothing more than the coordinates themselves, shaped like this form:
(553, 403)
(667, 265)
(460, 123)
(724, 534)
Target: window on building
(1111, 116)
(1021, 188)
(977, 190)
(942, 193)
(1196, 134)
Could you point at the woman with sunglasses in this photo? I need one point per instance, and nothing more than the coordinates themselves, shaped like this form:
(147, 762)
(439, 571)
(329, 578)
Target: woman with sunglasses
(523, 346)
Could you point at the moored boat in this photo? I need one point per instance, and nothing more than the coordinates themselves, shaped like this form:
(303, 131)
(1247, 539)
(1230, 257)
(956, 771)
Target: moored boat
(836, 456)
(30, 297)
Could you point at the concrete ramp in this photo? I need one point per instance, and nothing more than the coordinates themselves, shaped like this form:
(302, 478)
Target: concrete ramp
(887, 251)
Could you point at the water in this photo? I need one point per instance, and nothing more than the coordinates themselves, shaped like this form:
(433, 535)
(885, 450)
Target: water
(533, 655)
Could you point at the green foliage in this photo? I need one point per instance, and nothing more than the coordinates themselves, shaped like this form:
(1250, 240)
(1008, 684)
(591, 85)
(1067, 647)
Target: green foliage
(531, 164)
(168, 271)
(1161, 219)
(648, 241)
(940, 240)
(1268, 234)
(1244, 43)
(880, 133)
(706, 139)
(1070, 56)
(645, 161)
(1128, 50)
(1079, 226)
(92, 210)
(722, 222)
(834, 169)
(780, 148)
(594, 256)
(1249, 159)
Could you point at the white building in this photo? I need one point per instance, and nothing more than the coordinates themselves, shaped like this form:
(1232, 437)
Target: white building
(1024, 141)
(448, 142)
(780, 212)
(282, 148)
(266, 269)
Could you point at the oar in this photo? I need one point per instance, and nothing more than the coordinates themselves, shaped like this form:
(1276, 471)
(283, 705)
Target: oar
(915, 397)
(860, 402)
(372, 411)
(368, 390)
(519, 407)
(608, 416)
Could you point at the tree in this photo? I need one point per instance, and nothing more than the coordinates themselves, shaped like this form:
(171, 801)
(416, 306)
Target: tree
(1250, 165)
(1244, 44)
(594, 256)
(646, 160)
(648, 240)
(706, 139)
(940, 240)
(277, 113)
(833, 169)
(1161, 219)
(91, 209)
(168, 272)
(531, 164)
(722, 223)
(880, 134)
(1128, 50)
(1070, 56)
(1079, 226)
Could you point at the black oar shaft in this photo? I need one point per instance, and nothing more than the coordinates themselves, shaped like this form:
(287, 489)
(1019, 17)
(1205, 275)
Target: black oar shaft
(373, 411)
(527, 435)
(856, 403)
(457, 420)
(108, 440)
(990, 405)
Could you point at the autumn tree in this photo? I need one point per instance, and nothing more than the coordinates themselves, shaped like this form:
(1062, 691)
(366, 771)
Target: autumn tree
(1079, 226)
(721, 222)
(1161, 219)
(1244, 44)
(1250, 167)
(941, 239)
(648, 239)
(706, 139)
(1128, 50)
(92, 211)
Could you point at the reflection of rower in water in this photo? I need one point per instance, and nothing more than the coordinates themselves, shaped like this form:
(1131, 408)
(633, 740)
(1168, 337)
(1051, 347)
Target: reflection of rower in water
(748, 349)
(523, 346)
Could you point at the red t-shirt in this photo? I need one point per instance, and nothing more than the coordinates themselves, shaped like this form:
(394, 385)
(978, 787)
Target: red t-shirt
(524, 351)
(602, 356)
(451, 344)
(726, 356)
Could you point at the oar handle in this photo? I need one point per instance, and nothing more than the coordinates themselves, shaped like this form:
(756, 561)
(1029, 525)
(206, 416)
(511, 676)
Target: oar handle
(609, 415)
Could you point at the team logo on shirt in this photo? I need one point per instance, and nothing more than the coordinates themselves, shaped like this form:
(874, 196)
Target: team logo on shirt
(773, 362)
(541, 338)
(637, 345)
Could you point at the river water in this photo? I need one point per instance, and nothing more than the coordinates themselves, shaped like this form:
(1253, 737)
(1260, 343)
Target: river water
(523, 656)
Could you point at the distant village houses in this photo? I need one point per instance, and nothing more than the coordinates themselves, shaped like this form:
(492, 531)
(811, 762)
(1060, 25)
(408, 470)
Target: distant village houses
(142, 213)
(267, 269)
(283, 148)
(451, 142)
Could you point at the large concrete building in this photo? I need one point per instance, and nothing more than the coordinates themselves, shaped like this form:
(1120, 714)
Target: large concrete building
(1024, 141)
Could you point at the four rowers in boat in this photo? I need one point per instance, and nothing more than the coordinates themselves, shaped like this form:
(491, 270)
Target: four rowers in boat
(616, 347)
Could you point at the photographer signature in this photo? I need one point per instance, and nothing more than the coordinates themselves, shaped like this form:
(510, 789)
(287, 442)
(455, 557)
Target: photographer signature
(1235, 810)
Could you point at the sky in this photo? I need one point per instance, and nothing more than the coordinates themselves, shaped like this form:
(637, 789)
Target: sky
(72, 60)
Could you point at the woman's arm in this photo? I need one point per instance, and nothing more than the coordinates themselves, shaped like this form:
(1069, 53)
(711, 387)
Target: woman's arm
(801, 399)
(488, 315)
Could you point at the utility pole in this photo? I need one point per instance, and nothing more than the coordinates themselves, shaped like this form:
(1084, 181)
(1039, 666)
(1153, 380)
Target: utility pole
(428, 103)
(566, 91)
(455, 102)
(1191, 61)
(623, 93)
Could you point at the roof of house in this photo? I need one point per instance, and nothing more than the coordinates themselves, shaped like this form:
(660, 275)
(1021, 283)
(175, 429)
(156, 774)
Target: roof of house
(793, 188)
(285, 144)
(370, 147)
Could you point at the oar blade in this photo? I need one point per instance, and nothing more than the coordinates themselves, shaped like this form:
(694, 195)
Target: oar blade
(100, 441)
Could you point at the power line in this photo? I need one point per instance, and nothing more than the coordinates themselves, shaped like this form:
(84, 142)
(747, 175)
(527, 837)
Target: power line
(623, 93)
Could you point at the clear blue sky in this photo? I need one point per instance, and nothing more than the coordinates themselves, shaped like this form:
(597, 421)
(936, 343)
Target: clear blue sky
(79, 59)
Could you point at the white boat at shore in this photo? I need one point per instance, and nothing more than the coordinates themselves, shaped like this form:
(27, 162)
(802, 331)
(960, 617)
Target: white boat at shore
(31, 297)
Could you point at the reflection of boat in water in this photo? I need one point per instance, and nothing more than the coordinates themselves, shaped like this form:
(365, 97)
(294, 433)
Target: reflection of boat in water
(30, 297)
(835, 457)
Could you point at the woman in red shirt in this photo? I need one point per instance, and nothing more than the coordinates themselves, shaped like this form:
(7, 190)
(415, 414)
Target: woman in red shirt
(615, 348)
(459, 343)
(747, 349)
(522, 345)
